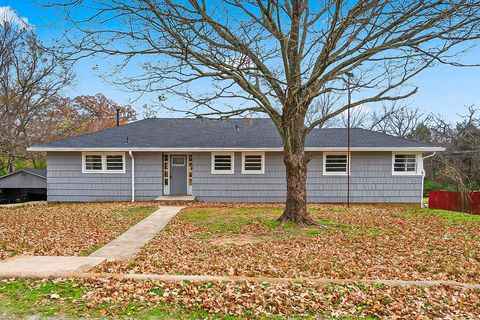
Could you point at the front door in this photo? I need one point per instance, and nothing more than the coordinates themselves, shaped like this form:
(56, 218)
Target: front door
(178, 174)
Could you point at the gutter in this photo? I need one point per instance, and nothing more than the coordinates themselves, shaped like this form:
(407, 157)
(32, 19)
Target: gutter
(423, 177)
(130, 153)
(234, 149)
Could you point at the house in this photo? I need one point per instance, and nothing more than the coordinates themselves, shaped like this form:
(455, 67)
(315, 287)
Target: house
(229, 160)
(23, 185)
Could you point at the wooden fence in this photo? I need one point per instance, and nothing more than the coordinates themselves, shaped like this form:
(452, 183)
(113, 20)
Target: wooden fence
(452, 201)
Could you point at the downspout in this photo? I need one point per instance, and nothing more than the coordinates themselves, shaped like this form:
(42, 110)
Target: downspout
(130, 153)
(423, 176)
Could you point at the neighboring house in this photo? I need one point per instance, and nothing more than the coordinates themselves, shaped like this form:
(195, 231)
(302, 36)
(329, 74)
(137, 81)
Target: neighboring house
(23, 185)
(229, 160)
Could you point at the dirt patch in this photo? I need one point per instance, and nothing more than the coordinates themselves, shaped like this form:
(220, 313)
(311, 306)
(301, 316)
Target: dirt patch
(236, 241)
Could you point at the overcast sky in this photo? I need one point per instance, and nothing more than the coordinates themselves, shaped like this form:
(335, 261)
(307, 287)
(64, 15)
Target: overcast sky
(442, 89)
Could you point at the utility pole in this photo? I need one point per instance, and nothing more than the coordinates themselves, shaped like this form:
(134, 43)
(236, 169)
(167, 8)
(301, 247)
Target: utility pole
(349, 94)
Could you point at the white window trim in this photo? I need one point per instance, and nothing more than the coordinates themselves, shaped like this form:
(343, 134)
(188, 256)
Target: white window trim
(232, 169)
(325, 173)
(104, 162)
(261, 154)
(418, 165)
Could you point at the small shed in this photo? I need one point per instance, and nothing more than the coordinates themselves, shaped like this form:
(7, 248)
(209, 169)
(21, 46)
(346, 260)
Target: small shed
(24, 185)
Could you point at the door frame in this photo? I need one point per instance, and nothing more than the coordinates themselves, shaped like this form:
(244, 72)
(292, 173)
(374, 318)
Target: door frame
(166, 166)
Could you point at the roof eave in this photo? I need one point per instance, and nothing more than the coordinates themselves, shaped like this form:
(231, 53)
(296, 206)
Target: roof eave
(19, 171)
(148, 149)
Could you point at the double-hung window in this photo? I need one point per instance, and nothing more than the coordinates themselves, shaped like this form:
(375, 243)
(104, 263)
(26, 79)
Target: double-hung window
(405, 163)
(223, 163)
(335, 163)
(253, 163)
(94, 162)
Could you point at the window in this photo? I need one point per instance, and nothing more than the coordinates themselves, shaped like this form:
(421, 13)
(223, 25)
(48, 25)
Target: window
(253, 163)
(335, 163)
(114, 162)
(405, 163)
(178, 161)
(93, 162)
(166, 174)
(222, 163)
(103, 162)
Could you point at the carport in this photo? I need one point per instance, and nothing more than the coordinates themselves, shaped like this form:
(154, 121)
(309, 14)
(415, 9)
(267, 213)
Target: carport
(24, 185)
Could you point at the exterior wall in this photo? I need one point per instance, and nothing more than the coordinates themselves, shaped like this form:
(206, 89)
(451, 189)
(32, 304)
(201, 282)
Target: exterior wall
(67, 183)
(371, 181)
(23, 180)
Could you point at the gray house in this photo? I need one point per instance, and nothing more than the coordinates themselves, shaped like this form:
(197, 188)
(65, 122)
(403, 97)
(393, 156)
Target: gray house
(229, 160)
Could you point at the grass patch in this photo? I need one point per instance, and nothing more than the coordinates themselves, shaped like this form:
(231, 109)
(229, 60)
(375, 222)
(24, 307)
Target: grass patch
(228, 221)
(24, 298)
(91, 250)
(450, 216)
(68, 299)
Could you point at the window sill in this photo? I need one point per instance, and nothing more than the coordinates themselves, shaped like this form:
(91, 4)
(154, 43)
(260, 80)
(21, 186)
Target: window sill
(336, 174)
(107, 172)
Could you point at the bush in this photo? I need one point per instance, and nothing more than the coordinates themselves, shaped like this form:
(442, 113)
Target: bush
(431, 185)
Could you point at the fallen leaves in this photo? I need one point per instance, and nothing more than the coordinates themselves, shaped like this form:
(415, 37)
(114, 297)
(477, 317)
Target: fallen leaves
(64, 229)
(365, 242)
(260, 299)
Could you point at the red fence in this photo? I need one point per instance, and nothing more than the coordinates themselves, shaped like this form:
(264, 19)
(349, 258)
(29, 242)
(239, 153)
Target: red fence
(449, 200)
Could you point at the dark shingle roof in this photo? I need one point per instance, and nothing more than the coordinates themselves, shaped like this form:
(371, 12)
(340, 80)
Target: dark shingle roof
(234, 133)
(38, 172)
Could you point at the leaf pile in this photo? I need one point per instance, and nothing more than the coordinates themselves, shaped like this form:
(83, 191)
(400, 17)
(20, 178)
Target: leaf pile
(256, 300)
(363, 242)
(64, 229)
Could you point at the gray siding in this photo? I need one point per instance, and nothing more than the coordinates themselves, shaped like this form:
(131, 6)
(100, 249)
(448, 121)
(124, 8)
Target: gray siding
(23, 180)
(66, 182)
(371, 181)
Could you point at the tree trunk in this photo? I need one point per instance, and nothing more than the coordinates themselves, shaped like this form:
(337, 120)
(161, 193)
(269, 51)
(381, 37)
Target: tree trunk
(11, 164)
(296, 162)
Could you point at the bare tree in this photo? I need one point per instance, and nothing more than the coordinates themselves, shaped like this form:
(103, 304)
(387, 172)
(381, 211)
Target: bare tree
(31, 75)
(275, 57)
(399, 120)
(461, 140)
(455, 175)
(360, 117)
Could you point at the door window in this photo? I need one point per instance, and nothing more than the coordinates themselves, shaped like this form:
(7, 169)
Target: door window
(178, 161)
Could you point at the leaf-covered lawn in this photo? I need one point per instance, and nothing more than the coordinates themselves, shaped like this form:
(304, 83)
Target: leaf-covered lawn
(363, 242)
(125, 299)
(65, 229)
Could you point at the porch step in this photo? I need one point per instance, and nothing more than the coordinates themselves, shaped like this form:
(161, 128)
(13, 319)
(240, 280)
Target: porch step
(176, 198)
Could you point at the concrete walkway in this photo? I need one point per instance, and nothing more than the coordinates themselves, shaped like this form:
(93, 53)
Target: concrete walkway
(129, 243)
(124, 247)
(39, 266)
(23, 204)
